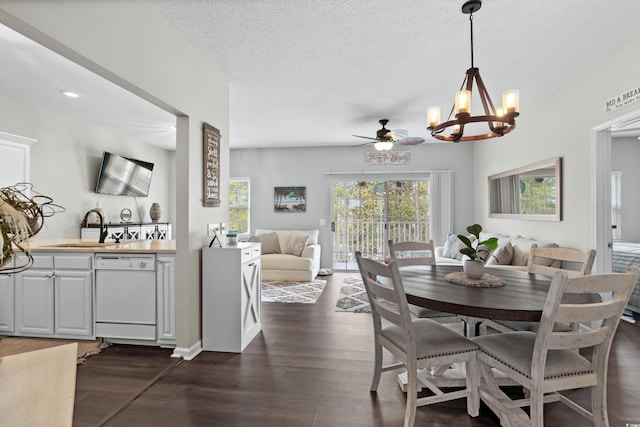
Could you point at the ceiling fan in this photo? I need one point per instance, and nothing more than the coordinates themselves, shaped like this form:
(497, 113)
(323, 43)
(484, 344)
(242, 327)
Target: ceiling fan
(385, 138)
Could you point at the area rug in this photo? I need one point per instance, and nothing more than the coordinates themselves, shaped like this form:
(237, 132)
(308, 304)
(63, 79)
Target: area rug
(300, 292)
(353, 296)
(15, 345)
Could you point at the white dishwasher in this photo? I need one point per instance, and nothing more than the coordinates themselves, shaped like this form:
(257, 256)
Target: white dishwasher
(126, 296)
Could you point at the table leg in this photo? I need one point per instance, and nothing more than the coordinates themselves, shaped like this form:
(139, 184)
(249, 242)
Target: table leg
(473, 326)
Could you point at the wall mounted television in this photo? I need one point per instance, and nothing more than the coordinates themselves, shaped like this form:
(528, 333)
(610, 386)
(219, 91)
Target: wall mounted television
(122, 176)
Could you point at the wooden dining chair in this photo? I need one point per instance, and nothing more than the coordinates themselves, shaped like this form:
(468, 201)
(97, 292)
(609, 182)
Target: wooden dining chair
(545, 363)
(415, 343)
(572, 261)
(420, 253)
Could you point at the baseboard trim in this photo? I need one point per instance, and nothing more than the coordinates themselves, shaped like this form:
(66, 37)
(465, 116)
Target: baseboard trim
(188, 353)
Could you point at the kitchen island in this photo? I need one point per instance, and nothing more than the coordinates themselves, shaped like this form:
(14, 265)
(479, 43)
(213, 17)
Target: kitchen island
(81, 289)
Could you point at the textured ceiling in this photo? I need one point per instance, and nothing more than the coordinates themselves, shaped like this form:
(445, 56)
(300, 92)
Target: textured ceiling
(314, 72)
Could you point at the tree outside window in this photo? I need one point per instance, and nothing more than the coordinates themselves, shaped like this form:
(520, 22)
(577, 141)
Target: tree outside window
(239, 205)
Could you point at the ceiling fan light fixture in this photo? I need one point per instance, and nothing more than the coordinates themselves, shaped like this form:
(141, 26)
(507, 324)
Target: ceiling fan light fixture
(500, 120)
(385, 139)
(70, 94)
(383, 145)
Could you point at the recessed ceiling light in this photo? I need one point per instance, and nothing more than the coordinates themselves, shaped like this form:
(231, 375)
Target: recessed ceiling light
(70, 94)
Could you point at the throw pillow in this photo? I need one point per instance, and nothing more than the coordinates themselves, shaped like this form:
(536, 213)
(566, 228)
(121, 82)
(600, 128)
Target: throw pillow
(269, 242)
(521, 250)
(296, 243)
(449, 250)
(502, 255)
(453, 245)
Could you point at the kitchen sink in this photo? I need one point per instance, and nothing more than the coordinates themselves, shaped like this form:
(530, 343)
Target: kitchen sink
(81, 245)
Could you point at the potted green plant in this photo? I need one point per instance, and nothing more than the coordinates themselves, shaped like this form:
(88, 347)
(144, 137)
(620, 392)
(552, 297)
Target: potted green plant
(478, 253)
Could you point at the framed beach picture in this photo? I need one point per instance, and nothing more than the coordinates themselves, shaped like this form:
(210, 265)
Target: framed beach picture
(290, 199)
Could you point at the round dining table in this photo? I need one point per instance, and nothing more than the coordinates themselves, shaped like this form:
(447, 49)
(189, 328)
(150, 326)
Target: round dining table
(521, 298)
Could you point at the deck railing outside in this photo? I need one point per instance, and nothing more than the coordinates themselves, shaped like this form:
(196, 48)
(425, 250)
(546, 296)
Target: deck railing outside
(371, 239)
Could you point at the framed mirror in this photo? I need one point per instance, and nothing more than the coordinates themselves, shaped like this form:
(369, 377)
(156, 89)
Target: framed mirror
(531, 192)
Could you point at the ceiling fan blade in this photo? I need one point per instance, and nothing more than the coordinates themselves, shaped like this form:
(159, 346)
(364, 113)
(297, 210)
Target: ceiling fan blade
(400, 133)
(411, 140)
(365, 137)
(366, 143)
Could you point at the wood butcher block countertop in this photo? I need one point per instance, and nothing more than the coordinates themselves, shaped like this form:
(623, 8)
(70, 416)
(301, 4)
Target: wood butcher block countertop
(91, 246)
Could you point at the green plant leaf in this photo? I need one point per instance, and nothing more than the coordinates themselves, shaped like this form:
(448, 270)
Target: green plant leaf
(475, 229)
(464, 239)
(491, 243)
(470, 252)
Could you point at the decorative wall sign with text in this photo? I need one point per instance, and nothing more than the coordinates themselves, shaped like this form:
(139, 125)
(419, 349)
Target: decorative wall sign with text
(211, 156)
(623, 99)
(387, 157)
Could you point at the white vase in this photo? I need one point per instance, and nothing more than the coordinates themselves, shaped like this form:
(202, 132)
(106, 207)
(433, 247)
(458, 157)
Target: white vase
(473, 269)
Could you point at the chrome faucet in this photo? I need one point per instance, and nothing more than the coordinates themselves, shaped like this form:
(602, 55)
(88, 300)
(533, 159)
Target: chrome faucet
(103, 226)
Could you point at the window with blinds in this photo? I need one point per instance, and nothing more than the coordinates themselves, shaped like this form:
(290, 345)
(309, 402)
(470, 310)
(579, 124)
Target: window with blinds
(616, 205)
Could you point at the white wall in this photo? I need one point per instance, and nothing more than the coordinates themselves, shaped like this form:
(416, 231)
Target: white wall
(65, 163)
(131, 44)
(308, 167)
(625, 157)
(560, 125)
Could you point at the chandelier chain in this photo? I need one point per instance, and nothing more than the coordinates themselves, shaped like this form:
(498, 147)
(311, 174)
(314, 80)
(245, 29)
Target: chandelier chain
(471, 25)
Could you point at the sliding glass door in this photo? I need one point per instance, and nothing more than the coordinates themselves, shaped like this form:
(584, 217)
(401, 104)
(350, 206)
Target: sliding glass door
(366, 214)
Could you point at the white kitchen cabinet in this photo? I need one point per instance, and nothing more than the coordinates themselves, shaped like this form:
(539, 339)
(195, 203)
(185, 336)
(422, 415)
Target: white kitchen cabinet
(7, 289)
(231, 300)
(55, 297)
(34, 298)
(73, 303)
(166, 291)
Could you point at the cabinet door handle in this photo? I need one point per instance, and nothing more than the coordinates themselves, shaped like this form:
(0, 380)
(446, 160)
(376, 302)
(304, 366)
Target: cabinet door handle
(252, 264)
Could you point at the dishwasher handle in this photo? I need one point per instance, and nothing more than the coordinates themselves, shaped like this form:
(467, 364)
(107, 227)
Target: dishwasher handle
(134, 262)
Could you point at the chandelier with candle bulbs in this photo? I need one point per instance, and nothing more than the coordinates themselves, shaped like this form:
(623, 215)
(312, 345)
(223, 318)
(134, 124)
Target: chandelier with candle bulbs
(500, 121)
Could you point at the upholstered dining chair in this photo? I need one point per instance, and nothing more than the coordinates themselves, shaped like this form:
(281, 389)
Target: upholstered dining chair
(415, 343)
(419, 253)
(572, 261)
(545, 363)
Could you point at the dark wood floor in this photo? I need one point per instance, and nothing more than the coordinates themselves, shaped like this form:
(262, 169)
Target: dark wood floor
(310, 366)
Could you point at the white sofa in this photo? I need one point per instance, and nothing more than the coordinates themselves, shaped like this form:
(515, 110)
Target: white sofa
(512, 252)
(280, 261)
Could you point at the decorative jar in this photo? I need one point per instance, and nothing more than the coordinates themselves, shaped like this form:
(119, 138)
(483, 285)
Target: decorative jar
(155, 212)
